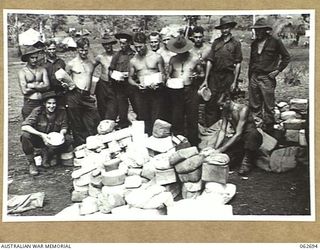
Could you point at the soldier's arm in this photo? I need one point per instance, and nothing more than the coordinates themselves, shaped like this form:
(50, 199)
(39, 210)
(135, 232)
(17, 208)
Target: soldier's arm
(23, 84)
(239, 130)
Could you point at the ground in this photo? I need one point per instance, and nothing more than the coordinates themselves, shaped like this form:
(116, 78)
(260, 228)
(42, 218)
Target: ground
(263, 193)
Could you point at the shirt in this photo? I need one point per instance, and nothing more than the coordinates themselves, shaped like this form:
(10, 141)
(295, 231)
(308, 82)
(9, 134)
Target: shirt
(120, 61)
(38, 120)
(52, 67)
(224, 55)
(274, 56)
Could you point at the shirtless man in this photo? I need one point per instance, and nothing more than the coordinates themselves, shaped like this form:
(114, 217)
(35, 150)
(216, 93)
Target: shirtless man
(33, 81)
(106, 97)
(200, 48)
(150, 97)
(82, 112)
(185, 101)
(244, 144)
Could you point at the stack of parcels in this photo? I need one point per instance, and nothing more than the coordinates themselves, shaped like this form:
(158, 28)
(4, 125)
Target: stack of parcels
(291, 125)
(291, 120)
(127, 173)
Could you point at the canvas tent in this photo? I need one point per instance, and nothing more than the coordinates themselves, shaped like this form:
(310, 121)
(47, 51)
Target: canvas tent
(69, 42)
(29, 37)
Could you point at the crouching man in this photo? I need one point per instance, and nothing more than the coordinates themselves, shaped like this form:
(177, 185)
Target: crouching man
(36, 127)
(243, 145)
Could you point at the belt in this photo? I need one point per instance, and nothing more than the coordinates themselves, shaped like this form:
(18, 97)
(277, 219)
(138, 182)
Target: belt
(82, 92)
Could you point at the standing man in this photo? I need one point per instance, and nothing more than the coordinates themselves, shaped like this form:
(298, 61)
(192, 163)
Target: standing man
(200, 48)
(267, 59)
(119, 72)
(150, 92)
(105, 94)
(154, 41)
(52, 64)
(223, 68)
(33, 81)
(82, 111)
(184, 67)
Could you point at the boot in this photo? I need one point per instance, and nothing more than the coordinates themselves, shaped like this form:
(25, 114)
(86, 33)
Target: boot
(45, 159)
(246, 164)
(32, 167)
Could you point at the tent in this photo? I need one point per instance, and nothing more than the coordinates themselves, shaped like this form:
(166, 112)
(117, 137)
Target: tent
(29, 37)
(69, 42)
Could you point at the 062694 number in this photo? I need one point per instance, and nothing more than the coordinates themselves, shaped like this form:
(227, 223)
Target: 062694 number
(309, 245)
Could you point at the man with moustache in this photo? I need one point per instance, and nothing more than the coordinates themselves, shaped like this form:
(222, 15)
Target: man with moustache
(105, 94)
(268, 58)
(82, 111)
(223, 68)
(33, 80)
(119, 67)
(150, 97)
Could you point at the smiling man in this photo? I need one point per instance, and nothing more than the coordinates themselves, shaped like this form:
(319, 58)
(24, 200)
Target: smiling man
(150, 94)
(82, 110)
(36, 127)
(154, 41)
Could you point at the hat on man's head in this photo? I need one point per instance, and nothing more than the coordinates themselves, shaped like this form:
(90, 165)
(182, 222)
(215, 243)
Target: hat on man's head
(261, 23)
(47, 95)
(226, 21)
(106, 39)
(179, 45)
(124, 34)
(27, 51)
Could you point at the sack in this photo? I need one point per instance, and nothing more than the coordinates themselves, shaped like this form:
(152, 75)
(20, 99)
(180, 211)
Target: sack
(283, 159)
(161, 129)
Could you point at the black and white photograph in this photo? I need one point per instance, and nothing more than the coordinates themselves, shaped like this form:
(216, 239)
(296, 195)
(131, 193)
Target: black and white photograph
(158, 115)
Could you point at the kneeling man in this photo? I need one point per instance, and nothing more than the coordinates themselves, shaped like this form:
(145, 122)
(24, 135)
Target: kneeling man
(36, 127)
(244, 144)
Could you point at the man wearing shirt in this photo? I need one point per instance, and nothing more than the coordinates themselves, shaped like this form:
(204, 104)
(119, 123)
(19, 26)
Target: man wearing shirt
(106, 97)
(123, 90)
(267, 59)
(82, 111)
(223, 68)
(53, 64)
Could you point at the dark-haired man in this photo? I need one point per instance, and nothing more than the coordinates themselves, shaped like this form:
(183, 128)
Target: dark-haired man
(82, 111)
(200, 48)
(154, 41)
(119, 72)
(105, 94)
(147, 74)
(244, 144)
(52, 64)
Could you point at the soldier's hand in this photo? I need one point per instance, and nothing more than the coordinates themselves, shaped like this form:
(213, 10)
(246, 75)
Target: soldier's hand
(273, 74)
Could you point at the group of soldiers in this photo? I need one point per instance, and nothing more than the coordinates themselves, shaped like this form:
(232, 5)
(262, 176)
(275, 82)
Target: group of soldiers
(159, 76)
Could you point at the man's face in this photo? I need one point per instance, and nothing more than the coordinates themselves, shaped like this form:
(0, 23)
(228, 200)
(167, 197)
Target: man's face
(51, 105)
(83, 52)
(107, 47)
(124, 44)
(33, 59)
(51, 51)
(198, 39)
(260, 33)
(225, 31)
(165, 40)
(154, 43)
(140, 48)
